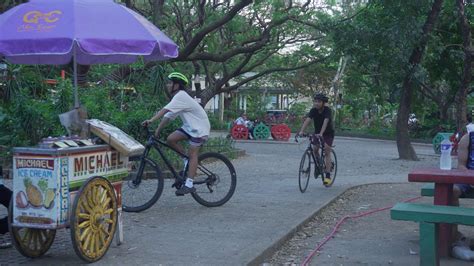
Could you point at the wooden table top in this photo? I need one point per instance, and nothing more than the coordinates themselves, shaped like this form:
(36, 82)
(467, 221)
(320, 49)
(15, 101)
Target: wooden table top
(436, 175)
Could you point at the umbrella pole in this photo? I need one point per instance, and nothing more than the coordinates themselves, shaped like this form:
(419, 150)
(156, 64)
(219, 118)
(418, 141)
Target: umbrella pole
(76, 97)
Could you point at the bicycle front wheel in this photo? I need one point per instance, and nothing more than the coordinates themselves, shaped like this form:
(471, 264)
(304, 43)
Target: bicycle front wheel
(305, 171)
(333, 169)
(141, 190)
(215, 180)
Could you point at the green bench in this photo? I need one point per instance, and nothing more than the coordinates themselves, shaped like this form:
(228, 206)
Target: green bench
(429, 217)
(428, 191)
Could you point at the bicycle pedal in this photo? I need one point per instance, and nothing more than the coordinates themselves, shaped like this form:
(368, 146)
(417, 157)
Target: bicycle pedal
(178, 195)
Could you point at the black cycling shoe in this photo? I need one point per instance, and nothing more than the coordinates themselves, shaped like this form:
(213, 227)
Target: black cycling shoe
(177, 184)
(185, 190)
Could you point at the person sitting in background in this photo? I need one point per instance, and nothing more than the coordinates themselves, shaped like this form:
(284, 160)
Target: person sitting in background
(241, 120)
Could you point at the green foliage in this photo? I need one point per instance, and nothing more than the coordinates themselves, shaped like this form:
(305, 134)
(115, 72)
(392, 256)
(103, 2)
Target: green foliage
(298, 109)
(256, 105)
(379, 42)
(26, 119)
(216, 124)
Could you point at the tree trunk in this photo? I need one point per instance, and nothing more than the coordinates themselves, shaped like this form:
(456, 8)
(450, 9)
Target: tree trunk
(335, 84)
(405, 149)
(443, 112)
(207, 94)
(461, 95)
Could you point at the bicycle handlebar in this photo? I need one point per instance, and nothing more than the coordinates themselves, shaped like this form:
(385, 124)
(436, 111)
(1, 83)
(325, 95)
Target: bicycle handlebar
(301, 136)
(148, 131)
(308, 136)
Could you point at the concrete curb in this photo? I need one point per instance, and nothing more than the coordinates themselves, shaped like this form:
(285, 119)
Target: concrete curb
(269, 141)
(280, 242)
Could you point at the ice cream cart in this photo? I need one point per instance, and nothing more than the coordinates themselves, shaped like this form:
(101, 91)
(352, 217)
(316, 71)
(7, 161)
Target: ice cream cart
(74, 184)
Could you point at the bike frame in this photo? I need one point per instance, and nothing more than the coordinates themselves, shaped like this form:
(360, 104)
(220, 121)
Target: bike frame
(310, 148)
(154, 142)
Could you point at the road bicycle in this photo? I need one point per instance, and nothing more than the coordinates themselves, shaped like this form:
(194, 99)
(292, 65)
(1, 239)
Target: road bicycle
(317, 160)
(215, 179)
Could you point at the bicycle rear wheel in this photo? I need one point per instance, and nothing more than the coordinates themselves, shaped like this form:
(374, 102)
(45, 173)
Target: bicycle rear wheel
(215, 180)
(305, 171)
(333, 169)
(141, 191)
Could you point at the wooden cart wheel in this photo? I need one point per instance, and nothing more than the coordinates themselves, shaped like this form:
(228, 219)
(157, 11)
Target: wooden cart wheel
(30, 242)
(240, 132)
(93, 219)
(281, 132)
(261, 131)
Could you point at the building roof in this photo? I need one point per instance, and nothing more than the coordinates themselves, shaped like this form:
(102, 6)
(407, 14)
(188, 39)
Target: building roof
(268, 89)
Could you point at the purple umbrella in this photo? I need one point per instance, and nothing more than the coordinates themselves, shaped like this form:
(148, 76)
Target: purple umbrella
(85, 31)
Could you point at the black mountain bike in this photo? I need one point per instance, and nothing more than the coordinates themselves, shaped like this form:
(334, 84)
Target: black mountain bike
(318, 160)
(215, 179)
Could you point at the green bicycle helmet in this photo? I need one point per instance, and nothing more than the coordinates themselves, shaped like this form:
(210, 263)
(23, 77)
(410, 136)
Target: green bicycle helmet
(178, 77)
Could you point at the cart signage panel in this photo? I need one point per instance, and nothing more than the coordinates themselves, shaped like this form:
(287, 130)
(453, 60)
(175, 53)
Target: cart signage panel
(107, 163)
(37, 200)
(64, 193)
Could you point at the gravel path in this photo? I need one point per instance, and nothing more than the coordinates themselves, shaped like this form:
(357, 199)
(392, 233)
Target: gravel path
(374, 239)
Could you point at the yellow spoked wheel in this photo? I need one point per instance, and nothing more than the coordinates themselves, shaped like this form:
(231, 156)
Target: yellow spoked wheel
(30, 242)
(94, 219)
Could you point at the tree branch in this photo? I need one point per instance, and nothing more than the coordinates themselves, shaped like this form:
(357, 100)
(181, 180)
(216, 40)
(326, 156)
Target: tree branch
(199, 36)
(222, 57)
(269, 71)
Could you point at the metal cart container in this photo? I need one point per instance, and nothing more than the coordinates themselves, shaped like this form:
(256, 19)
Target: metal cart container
(73, 186)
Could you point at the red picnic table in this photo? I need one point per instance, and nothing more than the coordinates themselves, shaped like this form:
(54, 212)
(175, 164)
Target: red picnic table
(443, 195)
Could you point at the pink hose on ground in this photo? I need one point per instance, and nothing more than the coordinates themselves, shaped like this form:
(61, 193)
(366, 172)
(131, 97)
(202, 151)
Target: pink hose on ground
(338, 224)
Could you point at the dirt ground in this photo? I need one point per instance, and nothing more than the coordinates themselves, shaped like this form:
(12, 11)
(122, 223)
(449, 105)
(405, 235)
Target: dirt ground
(373, 239)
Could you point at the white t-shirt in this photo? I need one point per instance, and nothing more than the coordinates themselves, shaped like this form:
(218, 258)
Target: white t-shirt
(470, 127)
(195, 121)
(239, 121)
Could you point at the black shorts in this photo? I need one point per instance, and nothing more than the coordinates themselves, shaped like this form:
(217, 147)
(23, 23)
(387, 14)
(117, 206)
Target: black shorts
(193, 141)
(327, 139)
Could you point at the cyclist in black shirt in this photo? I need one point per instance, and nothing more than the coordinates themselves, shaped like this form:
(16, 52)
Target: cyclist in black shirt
(323, 127)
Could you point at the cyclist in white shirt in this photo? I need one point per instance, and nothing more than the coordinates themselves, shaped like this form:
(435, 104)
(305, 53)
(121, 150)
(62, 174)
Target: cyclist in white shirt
(195, 129)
